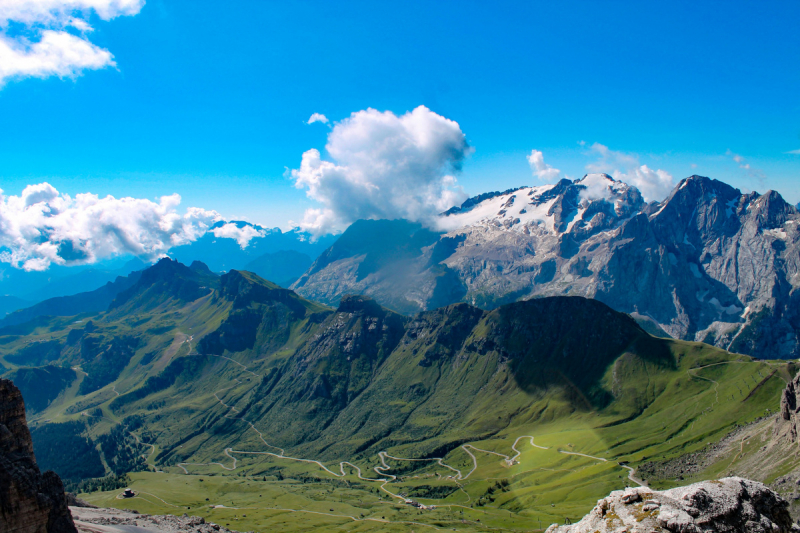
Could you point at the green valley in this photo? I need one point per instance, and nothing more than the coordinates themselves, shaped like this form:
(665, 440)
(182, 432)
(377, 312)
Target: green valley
(237, 400)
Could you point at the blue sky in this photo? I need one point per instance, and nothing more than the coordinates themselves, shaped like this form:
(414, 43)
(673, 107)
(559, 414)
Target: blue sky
(210, 100)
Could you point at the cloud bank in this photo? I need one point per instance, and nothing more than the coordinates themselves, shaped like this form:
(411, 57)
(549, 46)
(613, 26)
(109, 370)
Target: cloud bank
(54, 41)
(540, 169)
(241, 233)
(43, 226)
(654, 185)
(383, 166)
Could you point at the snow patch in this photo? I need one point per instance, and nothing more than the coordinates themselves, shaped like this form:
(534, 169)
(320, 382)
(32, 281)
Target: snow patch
(659, 211)
(578, 216)
(777, 233)
(494, 210)
(729, 310)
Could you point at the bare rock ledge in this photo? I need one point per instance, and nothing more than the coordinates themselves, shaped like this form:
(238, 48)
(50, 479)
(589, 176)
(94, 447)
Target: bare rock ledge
(731, 504)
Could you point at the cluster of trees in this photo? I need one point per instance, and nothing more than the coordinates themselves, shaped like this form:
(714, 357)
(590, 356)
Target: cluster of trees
(488, 497)
(40, 386)
(122, 452)
(112, 482)
(431, 491)
(105, 361)
(36, 353)
(64, 449)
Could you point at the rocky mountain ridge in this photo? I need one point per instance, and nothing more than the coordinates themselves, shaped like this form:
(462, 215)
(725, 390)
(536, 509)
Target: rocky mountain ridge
(30, 502)
(210, 370)
(709, 263)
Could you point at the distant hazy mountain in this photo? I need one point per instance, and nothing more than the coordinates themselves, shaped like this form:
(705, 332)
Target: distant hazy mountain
(282, 267)
(222, 254)
(83, 302)
(12, 303)
(279, 256)
(708, 263)
(86, 279)
(61, 280)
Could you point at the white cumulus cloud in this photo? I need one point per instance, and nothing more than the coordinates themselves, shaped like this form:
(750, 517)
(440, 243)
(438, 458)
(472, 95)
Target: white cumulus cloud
(242, 234)
(42, 226)
(383, 166)
(55, 41)
(317, 117)
(654, 185)
(540, 169)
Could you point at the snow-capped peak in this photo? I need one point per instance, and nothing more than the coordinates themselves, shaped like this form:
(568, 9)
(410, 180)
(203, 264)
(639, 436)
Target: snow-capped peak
(560, 208)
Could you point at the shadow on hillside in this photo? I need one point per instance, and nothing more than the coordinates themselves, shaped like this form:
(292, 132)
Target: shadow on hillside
(570, 343)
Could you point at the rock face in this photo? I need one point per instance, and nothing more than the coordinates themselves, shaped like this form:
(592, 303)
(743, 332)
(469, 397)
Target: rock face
(30, 502)
(789, 418)
(728, 505)
(709, 263)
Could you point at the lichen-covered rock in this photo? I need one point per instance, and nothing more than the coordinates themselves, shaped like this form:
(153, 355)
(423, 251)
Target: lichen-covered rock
(727, 505)
(30, 502)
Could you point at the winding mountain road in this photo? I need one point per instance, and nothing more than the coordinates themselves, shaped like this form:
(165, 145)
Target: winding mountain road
(381, 470)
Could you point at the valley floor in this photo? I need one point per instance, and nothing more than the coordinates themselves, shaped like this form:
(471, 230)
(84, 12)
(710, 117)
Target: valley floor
(557, 481)
(510, 483)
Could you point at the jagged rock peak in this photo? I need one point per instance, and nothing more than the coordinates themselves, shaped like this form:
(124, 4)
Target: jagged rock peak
(357, 303)
(708, 264)
(245, 288)
(789, 419)
(731, 504)
(30, 502)
(15, 439)
(199, 266)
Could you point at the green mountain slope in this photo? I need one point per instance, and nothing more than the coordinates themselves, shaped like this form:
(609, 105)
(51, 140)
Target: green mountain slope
(557, 398)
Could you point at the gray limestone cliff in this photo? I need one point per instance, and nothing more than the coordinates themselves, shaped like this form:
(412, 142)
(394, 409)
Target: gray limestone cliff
(30, 502)
(709, 263)
(789, 417)
(727, 505)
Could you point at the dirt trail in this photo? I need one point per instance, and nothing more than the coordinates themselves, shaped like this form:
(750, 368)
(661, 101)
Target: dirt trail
(382, 469)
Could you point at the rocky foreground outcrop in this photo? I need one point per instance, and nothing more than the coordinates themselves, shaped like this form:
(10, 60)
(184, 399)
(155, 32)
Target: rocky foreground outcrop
(96, 520)
(789, 418)
(727, 505)
(30, 502)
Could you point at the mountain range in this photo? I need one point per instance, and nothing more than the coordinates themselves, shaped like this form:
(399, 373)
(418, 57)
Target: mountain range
(189, 371)
(272, 253)
(709, 263)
